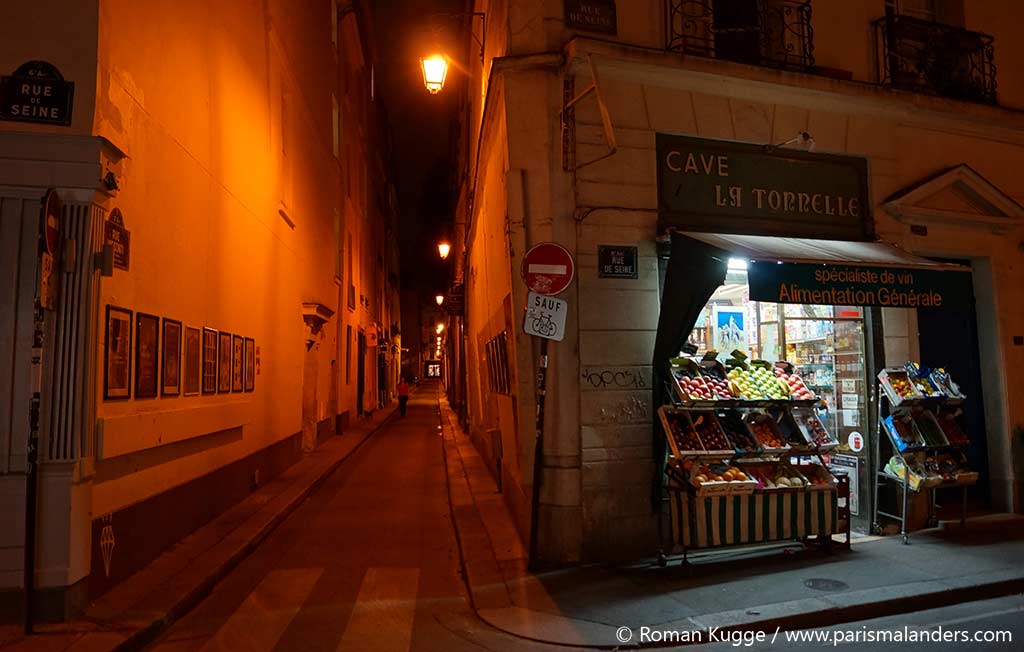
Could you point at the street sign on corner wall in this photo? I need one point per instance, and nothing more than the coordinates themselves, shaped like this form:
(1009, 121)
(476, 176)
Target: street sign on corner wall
(37, 92)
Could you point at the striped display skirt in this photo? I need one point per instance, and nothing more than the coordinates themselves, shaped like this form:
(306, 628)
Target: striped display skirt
(711, 521)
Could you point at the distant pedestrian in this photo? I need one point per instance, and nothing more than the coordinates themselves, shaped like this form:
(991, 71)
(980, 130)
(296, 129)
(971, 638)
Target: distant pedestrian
(403, 395)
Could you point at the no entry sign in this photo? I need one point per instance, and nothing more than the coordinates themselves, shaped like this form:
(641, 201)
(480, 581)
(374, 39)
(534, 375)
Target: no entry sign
(548, 268)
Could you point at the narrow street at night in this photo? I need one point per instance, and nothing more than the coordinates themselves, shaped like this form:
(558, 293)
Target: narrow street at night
(369, 563)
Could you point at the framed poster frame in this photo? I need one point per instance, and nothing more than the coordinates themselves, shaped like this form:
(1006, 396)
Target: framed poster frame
(170, 357)
(147, 355)
(125, 317)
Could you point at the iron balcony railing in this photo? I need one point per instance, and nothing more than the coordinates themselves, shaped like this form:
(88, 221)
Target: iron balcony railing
(774, 33)
(928, 57)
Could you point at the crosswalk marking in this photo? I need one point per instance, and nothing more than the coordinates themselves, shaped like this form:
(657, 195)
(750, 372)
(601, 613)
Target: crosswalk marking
(260, 621)
(382, 616)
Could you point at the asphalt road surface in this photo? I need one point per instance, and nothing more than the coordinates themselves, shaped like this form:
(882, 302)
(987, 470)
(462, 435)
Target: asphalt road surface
(369, 563)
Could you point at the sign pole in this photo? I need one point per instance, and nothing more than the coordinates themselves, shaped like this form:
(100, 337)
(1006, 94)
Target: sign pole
(538, 452)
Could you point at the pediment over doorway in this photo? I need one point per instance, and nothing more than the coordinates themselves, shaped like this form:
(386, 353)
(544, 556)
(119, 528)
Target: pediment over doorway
(960, 197)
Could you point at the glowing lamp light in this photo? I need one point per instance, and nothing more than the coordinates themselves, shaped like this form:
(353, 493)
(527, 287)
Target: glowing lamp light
(435, 70)
(444, 248)
(440, 328)
(439, 299)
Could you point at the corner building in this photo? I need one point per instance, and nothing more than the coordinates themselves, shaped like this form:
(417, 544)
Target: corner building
(226, 289)
(934, 141)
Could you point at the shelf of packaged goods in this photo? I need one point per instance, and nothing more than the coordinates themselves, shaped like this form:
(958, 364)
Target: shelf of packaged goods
(813, 364)
(806, 340)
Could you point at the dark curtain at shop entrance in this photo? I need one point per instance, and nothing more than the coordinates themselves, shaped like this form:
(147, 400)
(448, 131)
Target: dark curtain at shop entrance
(695, 270)
(949, 339)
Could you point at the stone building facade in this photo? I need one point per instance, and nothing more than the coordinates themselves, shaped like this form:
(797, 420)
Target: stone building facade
(242, 150)
(943, 156)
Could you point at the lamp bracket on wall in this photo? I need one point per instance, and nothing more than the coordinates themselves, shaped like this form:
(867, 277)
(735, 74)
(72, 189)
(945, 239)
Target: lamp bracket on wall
(471, 15)
(606, 118)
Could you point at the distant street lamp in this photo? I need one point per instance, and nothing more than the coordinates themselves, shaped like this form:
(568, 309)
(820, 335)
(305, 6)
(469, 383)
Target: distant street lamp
(440, 329)
(439, 299)
(444, 248)
(435, 71)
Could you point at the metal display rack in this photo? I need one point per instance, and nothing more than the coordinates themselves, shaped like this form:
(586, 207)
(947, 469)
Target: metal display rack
(911, 410)
(706, 515)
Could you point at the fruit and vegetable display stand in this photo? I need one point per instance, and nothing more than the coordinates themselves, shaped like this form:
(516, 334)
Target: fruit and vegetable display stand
(921, 441)
(746, 459)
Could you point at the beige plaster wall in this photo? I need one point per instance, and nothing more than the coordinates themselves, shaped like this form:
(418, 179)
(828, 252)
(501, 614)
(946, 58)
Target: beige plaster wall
(225, 115)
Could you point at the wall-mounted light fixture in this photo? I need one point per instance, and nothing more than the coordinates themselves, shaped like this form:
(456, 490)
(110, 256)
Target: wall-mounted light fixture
(439, 299)
(444, 248)
(435, 66)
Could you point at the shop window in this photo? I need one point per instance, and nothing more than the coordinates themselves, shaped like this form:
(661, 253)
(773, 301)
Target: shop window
(825, 343)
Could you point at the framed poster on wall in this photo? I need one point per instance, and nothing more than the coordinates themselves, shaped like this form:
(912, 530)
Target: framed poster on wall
(192, 377)
(250, 364)
(236, 363)
(209, 361)
(147, 355)
(117, 354)
(170, 361)
(223, 362)
(729, 325)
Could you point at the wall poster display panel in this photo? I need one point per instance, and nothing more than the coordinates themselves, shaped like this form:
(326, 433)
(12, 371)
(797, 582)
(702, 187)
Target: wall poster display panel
(250, 364)
(147, 355)
(237, 358)
(209, 361)
(170, 363)
(192, 377)
(117, 354)
(224, 362)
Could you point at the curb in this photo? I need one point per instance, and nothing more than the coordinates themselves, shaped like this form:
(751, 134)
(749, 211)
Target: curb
(144, 636)
(944, 596)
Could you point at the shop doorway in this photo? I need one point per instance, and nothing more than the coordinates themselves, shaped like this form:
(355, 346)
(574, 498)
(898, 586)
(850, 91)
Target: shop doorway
(949, 339)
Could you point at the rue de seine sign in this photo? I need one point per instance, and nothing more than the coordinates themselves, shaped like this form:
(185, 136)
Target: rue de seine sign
(727, 187)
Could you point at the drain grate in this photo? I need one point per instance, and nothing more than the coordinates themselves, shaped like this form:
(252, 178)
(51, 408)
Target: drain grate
(825, 584)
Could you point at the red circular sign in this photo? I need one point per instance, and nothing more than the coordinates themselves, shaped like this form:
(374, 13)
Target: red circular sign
(51, 221)
(548, 268)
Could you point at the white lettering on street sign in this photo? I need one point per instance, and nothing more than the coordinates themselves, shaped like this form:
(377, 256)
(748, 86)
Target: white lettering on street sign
(536, 268)
(545, 316)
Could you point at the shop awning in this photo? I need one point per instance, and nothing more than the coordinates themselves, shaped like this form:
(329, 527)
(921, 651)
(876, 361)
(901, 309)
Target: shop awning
(833, 272)
(805, 250)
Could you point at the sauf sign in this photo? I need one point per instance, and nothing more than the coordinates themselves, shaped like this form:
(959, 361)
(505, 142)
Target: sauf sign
(545, 316)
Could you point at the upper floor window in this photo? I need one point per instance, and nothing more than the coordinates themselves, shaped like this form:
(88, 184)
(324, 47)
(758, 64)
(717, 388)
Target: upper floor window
(774, 33)
(921, 46)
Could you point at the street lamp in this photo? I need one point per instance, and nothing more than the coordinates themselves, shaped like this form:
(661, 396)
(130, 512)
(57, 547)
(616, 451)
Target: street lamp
(444, 248)
(439, 299)
(435, 71)
(439, 329)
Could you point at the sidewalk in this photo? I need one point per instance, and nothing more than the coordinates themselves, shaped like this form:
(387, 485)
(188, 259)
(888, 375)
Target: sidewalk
(584, 606)
(137, 610)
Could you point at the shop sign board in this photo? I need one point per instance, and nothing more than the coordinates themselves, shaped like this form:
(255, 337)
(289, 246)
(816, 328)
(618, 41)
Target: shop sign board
(548, 268)
(849, 464)
(37, 92)
(729, 187)
(118, 237)
(591, 15)
(545, 316)
(615, 261)
(455, 302)
(858, 285)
